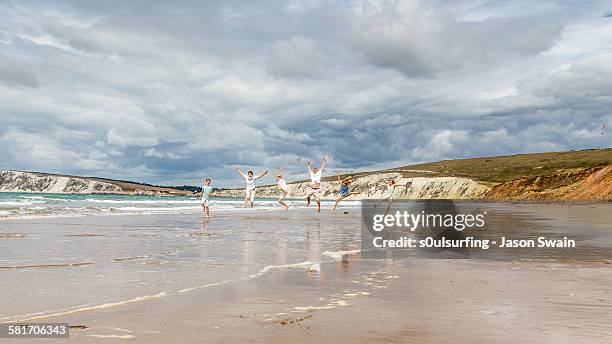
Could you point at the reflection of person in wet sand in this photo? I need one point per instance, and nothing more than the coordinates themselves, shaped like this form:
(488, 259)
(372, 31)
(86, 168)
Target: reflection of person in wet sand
(314, 189)
(344, 188)
(250, 185)
(282, 187)
(205, 201)
(314, 248)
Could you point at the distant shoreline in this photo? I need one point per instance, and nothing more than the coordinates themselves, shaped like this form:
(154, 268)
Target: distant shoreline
(554, 177)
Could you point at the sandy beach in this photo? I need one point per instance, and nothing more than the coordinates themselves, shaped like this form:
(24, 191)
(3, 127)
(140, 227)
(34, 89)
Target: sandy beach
(397, 171)
(254, 276)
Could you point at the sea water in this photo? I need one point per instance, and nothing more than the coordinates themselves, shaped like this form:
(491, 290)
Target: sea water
(29, 205)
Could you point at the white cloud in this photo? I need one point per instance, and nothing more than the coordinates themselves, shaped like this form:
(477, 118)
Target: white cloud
(133, 131)
(34, 150)
(296, 56)
(15, 74)
(152, 152)
(147, 92)
(400, 35)
(273, 131)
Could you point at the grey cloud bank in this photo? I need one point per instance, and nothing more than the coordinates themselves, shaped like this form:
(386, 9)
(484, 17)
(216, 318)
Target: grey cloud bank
(171, 92)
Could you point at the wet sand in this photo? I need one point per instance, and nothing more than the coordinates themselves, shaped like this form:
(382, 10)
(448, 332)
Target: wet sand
(426, 301)
(261, 290)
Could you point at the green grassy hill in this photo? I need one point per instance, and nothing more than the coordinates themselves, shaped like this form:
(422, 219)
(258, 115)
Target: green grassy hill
(501, 169)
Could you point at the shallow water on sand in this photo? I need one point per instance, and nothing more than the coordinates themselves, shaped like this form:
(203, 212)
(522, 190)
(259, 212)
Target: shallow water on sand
(59, 265)
(63, 266)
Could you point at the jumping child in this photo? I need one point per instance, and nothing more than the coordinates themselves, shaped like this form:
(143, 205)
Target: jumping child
(250, 185)
(344, 188)
(388, 194)
(282, 187)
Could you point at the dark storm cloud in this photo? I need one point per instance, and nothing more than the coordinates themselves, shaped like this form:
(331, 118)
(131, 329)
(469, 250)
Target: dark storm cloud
(167, 92)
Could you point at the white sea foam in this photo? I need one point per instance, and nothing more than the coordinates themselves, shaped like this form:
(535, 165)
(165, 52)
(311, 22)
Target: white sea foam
(112, 336)
(140, 209)
(202, 286)
(95, 307)
(122, 201)
(276, 267)
(20, 203)
(337, 255)
(313, 308)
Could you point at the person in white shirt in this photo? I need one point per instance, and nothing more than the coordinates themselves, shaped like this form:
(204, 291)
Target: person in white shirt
(314, 189)
(282, 187)
(250, 185)
(389, 193)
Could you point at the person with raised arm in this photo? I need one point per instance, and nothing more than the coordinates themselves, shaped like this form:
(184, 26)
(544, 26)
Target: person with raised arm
(282, 187)
(314, 188)
(389, 193)
(250, 185)
(344, 188)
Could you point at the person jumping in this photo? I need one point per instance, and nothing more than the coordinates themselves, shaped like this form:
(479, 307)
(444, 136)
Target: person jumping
(250, 185)
(282, 187)
(388, 194)
(315, 184)
(344, 188)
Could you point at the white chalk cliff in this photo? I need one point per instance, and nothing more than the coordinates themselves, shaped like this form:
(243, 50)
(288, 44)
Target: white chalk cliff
(16, 181)
(34, 182)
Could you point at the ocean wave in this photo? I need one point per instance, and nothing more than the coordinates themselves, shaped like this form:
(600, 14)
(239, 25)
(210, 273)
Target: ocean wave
(120, 201)
(20, 203)
(164, 209)
(20, 206)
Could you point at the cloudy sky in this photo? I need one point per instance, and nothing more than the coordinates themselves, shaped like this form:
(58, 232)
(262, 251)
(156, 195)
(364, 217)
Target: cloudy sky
(169, 92)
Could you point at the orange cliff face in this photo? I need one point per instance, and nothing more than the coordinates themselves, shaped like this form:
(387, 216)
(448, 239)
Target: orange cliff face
(598, 185)
(591, 184)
